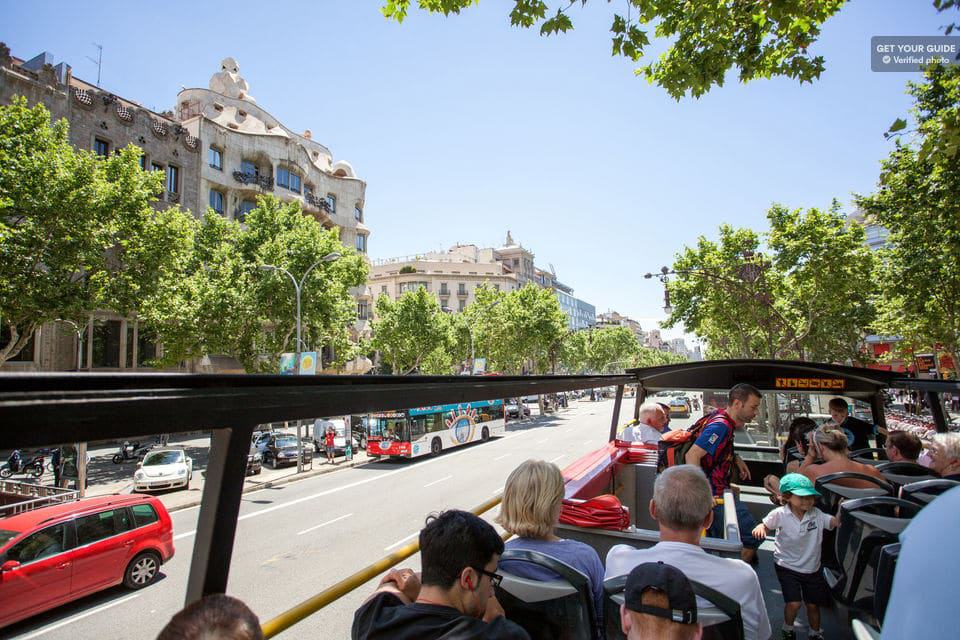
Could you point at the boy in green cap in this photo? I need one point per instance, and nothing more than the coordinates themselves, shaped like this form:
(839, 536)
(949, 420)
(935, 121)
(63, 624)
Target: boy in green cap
(799, 526)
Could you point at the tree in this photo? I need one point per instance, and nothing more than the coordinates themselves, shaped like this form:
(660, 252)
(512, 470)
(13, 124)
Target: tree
(703, 40)
(412, 331)
(77, 232)
(221, 302)
(916, 200)
(809, 299)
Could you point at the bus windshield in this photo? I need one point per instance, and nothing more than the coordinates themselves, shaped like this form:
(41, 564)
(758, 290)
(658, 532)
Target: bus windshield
(392, 427)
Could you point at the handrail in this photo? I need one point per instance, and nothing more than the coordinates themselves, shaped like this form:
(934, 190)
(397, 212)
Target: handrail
(313, 604)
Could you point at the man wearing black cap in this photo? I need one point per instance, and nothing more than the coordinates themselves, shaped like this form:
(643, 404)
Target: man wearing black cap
(659, 602)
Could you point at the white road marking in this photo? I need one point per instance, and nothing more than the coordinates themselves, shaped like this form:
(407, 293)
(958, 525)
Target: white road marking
(502, 457)
(81, 616)
(430, 484)
(324, 524)
(558, 457)
(401, 541)
(587, 441)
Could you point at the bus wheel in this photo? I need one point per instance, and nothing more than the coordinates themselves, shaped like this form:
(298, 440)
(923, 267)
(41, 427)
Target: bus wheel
(485, 434)
(436, 447)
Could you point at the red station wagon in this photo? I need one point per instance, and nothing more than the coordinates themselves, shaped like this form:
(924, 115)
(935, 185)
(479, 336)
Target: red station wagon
(56, 554)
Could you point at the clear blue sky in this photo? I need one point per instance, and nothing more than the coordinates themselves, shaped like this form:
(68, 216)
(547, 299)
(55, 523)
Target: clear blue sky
(464, 127)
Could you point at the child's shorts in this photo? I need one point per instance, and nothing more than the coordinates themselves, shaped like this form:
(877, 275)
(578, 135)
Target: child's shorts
(810, 588)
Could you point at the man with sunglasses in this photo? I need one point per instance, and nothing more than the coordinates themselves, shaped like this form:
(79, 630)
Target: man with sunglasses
(454, 598)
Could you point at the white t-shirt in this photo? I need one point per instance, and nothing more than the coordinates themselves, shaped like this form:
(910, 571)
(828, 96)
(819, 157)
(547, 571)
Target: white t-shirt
(641, 432)
(733, 578)
(798, 541)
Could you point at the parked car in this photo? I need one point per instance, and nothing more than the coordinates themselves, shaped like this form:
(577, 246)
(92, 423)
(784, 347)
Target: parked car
(281, 448)
(514, 410)
(259, 439)
(254, 461)
(531, 399)
(56, 554)
(163, 469)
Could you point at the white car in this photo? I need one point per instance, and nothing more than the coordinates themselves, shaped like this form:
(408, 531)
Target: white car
(163, 469)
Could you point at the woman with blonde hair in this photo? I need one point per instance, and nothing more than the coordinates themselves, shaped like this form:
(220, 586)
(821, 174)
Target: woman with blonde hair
(530, 510)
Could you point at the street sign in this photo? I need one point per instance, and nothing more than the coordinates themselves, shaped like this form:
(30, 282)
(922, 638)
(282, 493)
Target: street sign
(308, 363)
(288, 364)
(480, 366)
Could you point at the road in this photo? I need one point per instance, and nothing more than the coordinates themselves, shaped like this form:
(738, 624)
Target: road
(294, 540)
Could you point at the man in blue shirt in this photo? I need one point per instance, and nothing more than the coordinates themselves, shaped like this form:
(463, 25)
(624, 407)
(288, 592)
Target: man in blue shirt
(713, 452)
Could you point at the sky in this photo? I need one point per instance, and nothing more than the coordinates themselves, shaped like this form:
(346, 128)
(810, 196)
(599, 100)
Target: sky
(464, 127)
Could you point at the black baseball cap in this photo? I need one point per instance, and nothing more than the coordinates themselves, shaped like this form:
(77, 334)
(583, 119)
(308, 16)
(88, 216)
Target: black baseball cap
(668, 580)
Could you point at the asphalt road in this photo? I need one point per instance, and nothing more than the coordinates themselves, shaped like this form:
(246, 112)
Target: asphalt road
(297, 539)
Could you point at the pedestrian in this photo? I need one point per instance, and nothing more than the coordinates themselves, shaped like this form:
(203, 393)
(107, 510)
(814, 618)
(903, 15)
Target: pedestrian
(328, 443)
(799, 526)
(56, 459)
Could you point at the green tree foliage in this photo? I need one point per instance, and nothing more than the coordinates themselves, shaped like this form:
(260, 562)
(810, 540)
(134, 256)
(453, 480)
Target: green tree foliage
(809, 298)
(77, 232)
(221, 302)
(703, 41)
(916, 200)
(412, 333)
(609, 349)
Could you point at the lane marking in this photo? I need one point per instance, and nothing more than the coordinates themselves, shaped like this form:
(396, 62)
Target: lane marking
(401, 541)
(502, 457)
(81, 616)
(324, 524)
(430, 484)
(558, 457)
(587, 441)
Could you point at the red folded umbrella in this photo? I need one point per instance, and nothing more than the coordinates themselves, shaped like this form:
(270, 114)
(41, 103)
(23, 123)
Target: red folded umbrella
(602, 512)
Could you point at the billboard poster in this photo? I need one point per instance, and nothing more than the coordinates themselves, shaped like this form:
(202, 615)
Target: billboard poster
(288, 364)
(480, 366)
(308, 363)
(926, 365)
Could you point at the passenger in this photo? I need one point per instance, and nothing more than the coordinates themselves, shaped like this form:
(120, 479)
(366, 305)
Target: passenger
(796, 437)
(530, 510)
(945, 455)
(213, 617)
(459, 553)
(856, 430)
(830, 446)
(923, 599)
(713, 452)
(666, 412)
(682, 505)
(659, 603)
(902, 446)
(651, 424)
(799, 526)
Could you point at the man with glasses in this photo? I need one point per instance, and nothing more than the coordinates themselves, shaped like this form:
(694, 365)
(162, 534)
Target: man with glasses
(454, 598)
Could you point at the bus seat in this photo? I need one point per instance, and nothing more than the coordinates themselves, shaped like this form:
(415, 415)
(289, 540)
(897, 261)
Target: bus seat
(831, 491)
(872, 455)
(901, 473)
(721, 621)
(886, 565)
(863, 631)
(866, 525)
(923, 492)
(731, 526)
(561, 609)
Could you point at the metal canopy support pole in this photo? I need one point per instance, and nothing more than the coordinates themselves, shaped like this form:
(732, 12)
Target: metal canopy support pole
(217, 524)
(636, 404)
(879, 417)
(936, 408)
(615, 422)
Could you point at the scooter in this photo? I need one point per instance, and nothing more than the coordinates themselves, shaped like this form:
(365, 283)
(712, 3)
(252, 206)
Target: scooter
(16, 464)
(131, 451)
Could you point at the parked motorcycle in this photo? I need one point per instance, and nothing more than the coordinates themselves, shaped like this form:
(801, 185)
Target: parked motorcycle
(16, 464)
(131, 451)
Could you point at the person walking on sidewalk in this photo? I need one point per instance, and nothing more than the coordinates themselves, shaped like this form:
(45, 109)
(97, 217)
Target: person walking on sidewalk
(328, 443)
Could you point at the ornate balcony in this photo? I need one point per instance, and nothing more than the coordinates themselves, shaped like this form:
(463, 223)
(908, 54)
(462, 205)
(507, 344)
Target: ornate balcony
(319, 203)
(264, 182)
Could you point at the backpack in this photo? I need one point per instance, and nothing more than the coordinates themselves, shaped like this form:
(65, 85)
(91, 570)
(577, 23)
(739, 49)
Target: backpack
(672, 448)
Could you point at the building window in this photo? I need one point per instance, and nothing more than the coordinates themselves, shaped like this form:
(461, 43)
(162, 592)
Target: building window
(156, 167)
(358, 213)
(216, 158)
(443, 289)
(26, 354)
(216, 201)
(245, 207)
(331, 203)
(412, 286)
(363, 310)
(361, 243)
(173, 179)
(249, 168)
(461, 289)
(101, 147)
(143, 162)
(383, 289)
(106, 344)
(288, 179)
(496, 287)
(463, 305)
(445, 304)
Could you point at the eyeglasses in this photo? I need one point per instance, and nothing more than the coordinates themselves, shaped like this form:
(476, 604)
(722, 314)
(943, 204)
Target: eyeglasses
(495, 578)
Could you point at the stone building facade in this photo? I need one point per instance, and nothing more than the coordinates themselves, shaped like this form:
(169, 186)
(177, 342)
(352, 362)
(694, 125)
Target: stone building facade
(104, 123)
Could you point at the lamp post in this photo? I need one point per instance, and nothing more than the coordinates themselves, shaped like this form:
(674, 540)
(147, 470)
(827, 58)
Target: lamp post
(79, 330)
(470, 330)
(298, 288)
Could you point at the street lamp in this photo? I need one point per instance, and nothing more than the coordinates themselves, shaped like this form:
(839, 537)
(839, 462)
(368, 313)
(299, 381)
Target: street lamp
(470, 330)
(298, 288)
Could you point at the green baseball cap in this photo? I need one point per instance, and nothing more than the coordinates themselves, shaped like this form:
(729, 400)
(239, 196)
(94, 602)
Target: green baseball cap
(797, 484)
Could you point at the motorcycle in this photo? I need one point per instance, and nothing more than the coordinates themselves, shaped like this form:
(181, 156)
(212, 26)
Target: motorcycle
(131, 451)
(16, 464)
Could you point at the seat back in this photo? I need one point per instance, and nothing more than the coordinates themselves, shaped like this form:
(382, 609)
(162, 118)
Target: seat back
(562, 608)
(901, 473)
(871, 455)
(831, 491)
(883, 584)
(721, 621)
(923, 492)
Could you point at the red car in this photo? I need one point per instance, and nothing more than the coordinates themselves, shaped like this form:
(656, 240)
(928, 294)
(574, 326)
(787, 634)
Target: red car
(56, 554)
